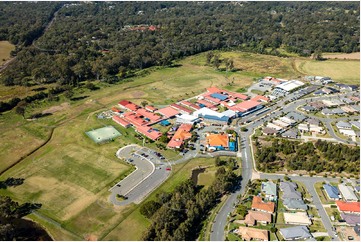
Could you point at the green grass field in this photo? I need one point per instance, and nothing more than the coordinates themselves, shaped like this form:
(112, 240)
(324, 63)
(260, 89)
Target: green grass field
(5, 49)
(344, 71)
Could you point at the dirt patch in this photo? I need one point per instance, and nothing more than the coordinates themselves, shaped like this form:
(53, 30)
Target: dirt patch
(195, 173)
(347, 56)
(91, 237)
(138, 94)
(58, 108)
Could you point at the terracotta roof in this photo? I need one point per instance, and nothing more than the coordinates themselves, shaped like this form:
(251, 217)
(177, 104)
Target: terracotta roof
(251, 233)
(149, 132)
(212, 99)
(150, 108)
(153, 117)
(256, 216)
(168, 111)
(129, 105)
(181, 108)
(213, 89)
(258, 204)
(205, 103)
(120, 121)
(180, 135)
(353, 207)
(245, 106)
(191, 105)
(238, 95)
(217, 140)
(134, 119)
(260, 98)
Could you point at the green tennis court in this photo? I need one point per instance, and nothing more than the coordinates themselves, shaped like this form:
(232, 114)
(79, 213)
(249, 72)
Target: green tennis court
(103, 135)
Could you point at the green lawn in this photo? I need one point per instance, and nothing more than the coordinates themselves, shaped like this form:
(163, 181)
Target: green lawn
(322, 194)
(5, 48)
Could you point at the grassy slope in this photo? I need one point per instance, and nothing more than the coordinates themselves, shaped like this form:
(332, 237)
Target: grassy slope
(70, 174)
(5, 49)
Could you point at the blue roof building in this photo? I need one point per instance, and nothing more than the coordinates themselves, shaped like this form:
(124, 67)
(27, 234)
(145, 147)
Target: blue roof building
(219, 96)
(332, 191)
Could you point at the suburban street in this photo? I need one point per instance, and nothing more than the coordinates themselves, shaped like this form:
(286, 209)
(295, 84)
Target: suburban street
(253, 122)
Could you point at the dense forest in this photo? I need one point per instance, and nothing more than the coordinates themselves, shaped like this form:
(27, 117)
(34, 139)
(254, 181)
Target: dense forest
(110, 40)
(321, 156)
(179, 215)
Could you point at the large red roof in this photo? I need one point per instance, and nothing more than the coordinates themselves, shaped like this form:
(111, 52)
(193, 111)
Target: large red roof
(260, 98)
(153, 117)
(168, 111)
(120, 121)
(129, 105)
(245, 106)
(191, 105)
(181, 108)
(182, 134)
(149, 132)
(205, 103)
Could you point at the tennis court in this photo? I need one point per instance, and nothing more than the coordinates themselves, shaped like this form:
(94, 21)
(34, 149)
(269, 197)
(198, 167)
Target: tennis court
(103, 135)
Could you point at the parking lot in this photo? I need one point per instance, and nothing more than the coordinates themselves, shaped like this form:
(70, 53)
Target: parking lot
(151, 171)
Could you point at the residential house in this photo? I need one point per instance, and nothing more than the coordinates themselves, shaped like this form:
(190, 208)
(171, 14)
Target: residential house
(291, 133)
(253, 234)
(183, 133)
(343, 125)
(295, 233)
(347, 193)
(332, 192)
(294, 204)
(308, 108)
(253, 217)
(270, 190)
(299, 218)
(355, 123)
(348, 207)
(289, 190)
(259, 205)
(217, 141)
(338, 111)
(269, 131)
(348, 132)
(274, 126)
(351, 218)
(296, 116)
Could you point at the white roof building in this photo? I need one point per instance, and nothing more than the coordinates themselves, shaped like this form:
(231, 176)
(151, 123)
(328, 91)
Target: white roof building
(348, 132)
(347, 193)
(280, 123)
(299, 218)
(303, 127)
(186, 118)
(206, 111)
(290, 85)
(287, 120)
(316, 128)
(273, 126)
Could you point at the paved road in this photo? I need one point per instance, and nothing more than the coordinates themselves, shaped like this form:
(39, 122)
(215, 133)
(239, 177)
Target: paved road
(150, 172)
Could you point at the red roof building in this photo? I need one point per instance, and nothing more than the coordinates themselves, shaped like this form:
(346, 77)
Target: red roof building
(149, 132)
(259, 205)
(238, 95)
(121, 121)
(151, 108)
(211, 99)
(151, 116)
(348, 207)
(244, 106)
(134, 119)
(168, 112)
(128, 105)
(181, 108)
(190, 105)
(260, 98)
(205, 103)
(214, 90)
(180, 135)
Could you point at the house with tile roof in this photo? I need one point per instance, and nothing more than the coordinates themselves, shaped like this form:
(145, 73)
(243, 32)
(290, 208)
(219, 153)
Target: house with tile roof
(351, 219)
(259, 205)
(252, 233)
(253, 217)
(217, 141)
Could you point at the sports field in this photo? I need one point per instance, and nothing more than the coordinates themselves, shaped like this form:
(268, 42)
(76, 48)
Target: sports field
(5, 49)
(103, 135)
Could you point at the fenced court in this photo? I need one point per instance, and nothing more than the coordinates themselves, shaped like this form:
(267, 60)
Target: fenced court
(103, 135)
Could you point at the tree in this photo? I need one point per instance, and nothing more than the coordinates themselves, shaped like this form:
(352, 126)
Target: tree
(149, 208)
(144, 103)
(20, 110)
(317, 55)
(68, 94)
(91, 86)
(209, 57)
(216, 61)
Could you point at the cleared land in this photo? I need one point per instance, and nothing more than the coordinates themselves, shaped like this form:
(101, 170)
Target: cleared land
(5, 49)
(344, 71)
(347, 56)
